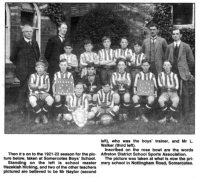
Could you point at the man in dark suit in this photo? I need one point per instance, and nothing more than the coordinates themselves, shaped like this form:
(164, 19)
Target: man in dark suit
(54, 48)
(24, 55)
(181, 56)
(154, 48)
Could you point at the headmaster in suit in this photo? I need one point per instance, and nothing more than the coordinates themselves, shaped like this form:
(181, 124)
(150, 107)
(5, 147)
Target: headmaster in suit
(24, 55)
(154, 48)
(54, 48)
(181, 56)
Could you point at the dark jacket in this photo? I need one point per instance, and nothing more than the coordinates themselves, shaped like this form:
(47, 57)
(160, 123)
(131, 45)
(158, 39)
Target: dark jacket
(88, 84)
(24, 58)
(54, 49)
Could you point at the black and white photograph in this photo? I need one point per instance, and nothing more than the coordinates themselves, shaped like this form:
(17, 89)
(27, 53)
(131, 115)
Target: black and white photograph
(99, 68)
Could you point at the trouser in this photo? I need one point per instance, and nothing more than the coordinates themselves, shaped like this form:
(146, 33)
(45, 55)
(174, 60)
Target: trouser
(106, 74)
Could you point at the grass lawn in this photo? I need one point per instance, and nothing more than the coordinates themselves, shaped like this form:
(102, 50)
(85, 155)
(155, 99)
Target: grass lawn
(15, 125)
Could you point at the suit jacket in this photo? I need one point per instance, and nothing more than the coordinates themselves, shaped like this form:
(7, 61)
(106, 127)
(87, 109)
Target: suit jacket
(160, 49)
(185, 59)
(95, 83)
(54, 49)
(24, 58)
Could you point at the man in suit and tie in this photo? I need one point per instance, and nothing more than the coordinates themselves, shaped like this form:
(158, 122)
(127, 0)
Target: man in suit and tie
(24, 55)
(154, 48)
(54, 48)
(181, 56)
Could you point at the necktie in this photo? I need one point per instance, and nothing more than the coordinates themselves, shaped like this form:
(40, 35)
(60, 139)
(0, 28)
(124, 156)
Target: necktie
(29, 43)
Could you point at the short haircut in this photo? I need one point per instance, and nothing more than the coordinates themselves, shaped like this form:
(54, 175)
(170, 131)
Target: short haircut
(138, 42)
(68, 44)
(152, 24)
(167, 60)
(26, 26)
(120, 60)
(63, 60)
(79, 83)
(124, 38)
(90, 65)
(105, 82)
(42, 61)
(145, 60)
(176, 28)
(87, 41)
(105, 38)
(61, 23)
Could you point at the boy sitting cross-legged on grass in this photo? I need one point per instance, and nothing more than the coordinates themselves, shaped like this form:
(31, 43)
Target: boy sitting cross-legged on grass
(168, 83)
(39, 85)
(146, 78)
(61, 107)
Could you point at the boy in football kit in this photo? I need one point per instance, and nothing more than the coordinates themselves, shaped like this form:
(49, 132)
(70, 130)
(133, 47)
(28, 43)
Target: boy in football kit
(88, 57)
(39, 85)
(61, 107)
(120, 83)
(106, 60)
(124, 52)
(136, 60)
(149, 99)
(106, 101)
(78, 100)
(71, 59)
(169, 85)
(92, 83)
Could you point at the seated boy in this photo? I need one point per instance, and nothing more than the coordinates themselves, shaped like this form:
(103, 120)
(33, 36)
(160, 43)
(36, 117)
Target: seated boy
(120, 83)
(107, 60)
(39, 85)
(168, 83)
(149, 98)
(92, 83)
(124, 52)
(78, 100)
(106, 102)
(72, 61)
(136, 60)
(88, 57)
(61, 100)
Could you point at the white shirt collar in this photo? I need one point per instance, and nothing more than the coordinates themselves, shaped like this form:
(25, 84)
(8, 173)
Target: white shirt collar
(27, 40)
(177, 43)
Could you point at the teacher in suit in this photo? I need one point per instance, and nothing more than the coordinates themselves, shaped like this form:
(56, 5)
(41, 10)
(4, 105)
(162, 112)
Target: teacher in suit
(181, 56)
(54, 48)
(154, 48)
(24, 55)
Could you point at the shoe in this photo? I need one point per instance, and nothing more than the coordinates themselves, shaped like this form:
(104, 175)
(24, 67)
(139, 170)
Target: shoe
(45, 120)
(173, 120)
(37, 119)
(137, 118)
(125, 117)
(163, 120)
(90, 122)
(144, 119)
(120, 117)
(59, 117)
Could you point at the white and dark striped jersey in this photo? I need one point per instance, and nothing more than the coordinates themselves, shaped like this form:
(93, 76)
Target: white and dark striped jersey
(71, 59)
(105, 98)
(60, 75)
(123, 53)
(38, 80)
(136, 59)
(106, 55)
(120, 76)
(168, 80)
(144, 76)
(75, 102)
(90, 57)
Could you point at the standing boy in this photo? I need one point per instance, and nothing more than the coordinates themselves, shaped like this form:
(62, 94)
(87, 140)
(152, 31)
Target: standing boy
(144, 75)
(88, 57)
(39, 86)
(106, 60)
(168, 83)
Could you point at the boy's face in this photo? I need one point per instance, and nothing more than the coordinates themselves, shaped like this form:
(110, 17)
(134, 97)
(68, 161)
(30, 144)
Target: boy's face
(106, 88)
(124, 43)
(121, 66)
(145, 67)
(40, 69)
(176, 35)
(79, 89)
(68, 49)
(88, 47)
(107, 43)
(91, 71)
(137, 48)
(167, 66)
(63, 66)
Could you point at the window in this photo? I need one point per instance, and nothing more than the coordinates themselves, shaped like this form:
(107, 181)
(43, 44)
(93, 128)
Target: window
(183, 14)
